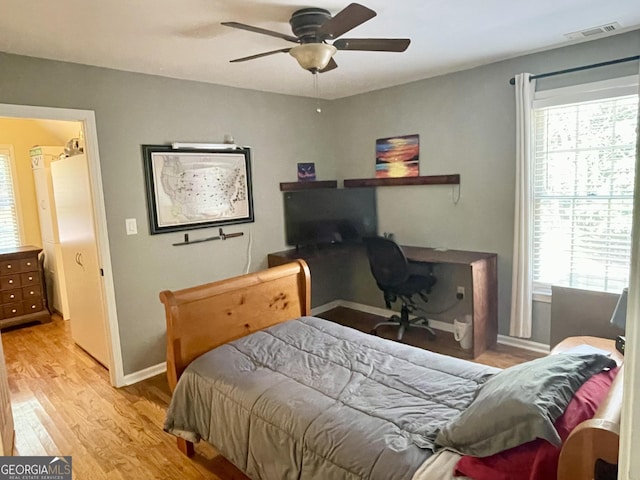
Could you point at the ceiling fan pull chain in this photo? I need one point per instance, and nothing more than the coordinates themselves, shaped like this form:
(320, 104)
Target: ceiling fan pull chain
(316, 92)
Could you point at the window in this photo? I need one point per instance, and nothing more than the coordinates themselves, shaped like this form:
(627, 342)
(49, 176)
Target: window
(9, 228)
(583, 184)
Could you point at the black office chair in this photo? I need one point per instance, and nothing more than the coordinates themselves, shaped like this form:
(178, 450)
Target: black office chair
(390, 269)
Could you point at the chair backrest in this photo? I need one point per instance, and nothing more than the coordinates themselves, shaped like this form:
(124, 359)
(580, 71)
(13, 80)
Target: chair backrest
(388, 263)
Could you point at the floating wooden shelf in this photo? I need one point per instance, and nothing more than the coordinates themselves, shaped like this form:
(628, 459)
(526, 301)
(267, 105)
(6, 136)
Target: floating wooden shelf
(291, 186)
(397, 181)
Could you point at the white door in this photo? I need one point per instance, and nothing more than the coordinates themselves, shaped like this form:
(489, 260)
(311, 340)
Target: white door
(76, 229)
(53, 267)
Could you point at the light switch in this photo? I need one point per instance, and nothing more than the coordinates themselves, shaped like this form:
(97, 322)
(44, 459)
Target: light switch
(132, 226)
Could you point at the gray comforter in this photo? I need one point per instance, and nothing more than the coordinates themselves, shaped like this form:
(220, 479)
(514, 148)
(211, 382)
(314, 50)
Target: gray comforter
(310, 399)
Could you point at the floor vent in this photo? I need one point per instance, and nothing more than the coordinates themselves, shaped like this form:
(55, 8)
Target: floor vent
(594, 31)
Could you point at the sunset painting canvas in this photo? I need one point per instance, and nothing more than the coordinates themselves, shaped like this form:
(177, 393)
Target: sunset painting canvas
(398, 156)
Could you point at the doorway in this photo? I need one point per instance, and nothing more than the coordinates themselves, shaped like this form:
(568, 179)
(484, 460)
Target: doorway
(86, 119)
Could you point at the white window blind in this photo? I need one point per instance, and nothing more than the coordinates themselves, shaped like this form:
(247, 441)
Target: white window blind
(9, 228)
(583, 174)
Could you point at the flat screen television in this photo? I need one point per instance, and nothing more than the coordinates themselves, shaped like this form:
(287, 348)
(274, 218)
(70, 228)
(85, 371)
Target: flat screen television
(329, 216)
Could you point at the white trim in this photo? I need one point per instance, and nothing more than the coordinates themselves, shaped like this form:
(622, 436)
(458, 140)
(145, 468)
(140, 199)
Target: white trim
(88, 119)
(145, 373)
(524, 344)
(160, 368)
(326, 307)
(383, 312)
(541, 297)
(437, 324)
(629, 461)
(615, 87)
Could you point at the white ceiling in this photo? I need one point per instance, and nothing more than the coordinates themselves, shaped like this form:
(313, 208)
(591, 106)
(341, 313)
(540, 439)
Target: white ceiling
(184, 39)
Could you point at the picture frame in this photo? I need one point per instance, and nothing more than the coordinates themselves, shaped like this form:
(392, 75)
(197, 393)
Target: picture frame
(306, 172)
(191, 188)
(398, 156)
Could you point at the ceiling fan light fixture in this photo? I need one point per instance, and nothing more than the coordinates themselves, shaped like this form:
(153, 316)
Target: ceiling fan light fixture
(313, 56)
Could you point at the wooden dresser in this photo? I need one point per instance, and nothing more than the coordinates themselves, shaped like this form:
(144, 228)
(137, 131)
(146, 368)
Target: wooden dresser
(22, 294)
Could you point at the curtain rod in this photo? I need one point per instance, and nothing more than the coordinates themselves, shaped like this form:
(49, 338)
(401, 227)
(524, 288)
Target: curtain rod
(577, 69)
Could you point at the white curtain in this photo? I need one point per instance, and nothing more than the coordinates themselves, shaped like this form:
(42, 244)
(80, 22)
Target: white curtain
(521, 287)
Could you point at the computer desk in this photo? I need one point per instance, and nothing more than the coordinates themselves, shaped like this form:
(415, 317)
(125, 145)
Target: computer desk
(483, 270)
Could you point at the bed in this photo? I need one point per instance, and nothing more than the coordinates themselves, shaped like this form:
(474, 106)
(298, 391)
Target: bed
(239, 356)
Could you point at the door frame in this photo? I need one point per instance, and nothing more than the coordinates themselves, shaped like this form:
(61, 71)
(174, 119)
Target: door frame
(88, 120)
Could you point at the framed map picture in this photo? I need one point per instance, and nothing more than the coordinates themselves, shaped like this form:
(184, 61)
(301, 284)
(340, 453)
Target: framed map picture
(197, 188)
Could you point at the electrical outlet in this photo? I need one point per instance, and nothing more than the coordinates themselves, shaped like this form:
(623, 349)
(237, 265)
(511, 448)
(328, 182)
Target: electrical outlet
(460, 293)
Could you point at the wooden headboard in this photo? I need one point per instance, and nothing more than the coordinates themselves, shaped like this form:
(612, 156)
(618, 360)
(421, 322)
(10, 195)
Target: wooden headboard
(204, 317)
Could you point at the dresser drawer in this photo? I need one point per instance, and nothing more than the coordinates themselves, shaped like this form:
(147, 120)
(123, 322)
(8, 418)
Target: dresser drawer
(9, 266)
(31, 292)
(12, 310)
(29, 278)
(8, 282)
(22, 287)
(29, 265)
(10, 296)
(32, 305)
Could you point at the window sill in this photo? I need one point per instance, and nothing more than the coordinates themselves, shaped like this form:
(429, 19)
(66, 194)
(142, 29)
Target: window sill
(542, 296)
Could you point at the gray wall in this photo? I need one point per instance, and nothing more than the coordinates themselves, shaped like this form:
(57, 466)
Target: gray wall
(133, 109)
(466, 123)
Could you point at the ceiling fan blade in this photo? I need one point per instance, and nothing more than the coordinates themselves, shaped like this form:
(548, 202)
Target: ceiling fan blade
(263, 31)
(330, 66)
(258, 55)
(373, 44)
(346, 19)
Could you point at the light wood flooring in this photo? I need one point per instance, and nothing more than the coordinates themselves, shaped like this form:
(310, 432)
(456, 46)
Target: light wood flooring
(63, 405)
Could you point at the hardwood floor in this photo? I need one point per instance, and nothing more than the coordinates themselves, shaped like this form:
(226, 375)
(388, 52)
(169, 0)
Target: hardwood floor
(63, 405)
(500, 356)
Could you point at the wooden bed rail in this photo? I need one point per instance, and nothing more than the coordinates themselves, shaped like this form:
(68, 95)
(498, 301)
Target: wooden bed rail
(597, 438)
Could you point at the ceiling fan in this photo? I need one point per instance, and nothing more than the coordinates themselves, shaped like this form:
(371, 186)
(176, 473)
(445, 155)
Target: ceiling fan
(313, 27)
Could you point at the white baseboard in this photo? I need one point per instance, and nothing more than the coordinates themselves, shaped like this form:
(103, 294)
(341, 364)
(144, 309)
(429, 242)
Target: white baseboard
(437, 324)
(144, 374)
(383, 312)
(524, 344)
(326, 307)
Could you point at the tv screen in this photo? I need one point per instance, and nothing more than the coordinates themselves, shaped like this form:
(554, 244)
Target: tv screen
(328, 216)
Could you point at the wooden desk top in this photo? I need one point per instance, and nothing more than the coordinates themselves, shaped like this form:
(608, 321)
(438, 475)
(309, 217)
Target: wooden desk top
(431, 255)
(414, 254)
(308, 253)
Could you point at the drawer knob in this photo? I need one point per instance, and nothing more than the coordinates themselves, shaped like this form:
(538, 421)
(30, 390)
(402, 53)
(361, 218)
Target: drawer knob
(9, 266)
(30, 278)
(28, 264)
(14, 310)
(33, 306)
(10, 281)
(12, 296)
(32, 292)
